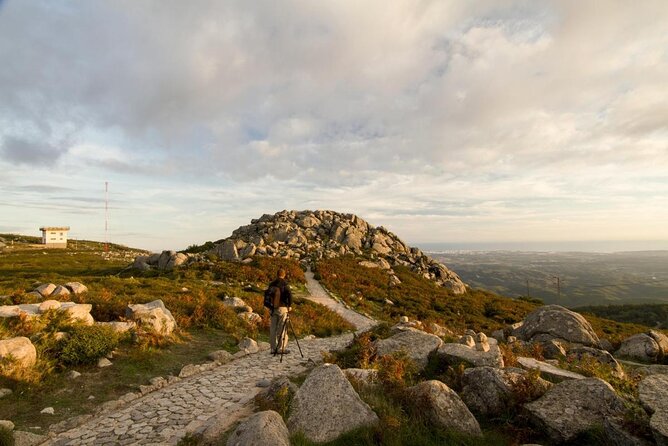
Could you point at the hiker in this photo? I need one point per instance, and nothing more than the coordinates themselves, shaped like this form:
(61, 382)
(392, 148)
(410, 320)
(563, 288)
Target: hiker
(282, 300)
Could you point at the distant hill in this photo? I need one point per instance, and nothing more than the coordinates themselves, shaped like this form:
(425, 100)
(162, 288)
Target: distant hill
(584, 278)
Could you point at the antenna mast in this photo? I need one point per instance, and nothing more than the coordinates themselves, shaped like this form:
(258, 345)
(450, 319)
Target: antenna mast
(106, 215)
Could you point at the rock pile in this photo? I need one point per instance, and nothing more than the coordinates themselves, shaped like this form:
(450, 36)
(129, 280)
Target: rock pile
(563, 333)
(406, 324)
(244, 311)
(166, 260)
(473, 348)
(49, 290)
(77, 312)
(325, 234)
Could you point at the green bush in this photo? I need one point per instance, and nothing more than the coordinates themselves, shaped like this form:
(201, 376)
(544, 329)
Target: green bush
(87, 344)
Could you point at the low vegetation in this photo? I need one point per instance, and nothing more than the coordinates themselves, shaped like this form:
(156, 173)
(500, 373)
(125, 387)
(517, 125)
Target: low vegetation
(368, 290)
(653, 316)
(194, 295)
(402, 420)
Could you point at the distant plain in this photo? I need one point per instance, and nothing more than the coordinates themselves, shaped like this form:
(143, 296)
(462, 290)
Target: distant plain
(572, 279)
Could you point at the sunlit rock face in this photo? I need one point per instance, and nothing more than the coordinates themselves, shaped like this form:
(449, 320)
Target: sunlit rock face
(326, 234)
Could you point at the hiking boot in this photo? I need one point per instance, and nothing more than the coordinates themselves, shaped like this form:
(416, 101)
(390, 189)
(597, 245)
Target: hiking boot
(284, 352)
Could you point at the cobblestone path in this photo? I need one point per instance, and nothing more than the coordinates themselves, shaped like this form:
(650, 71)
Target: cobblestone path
(166, 415)
(191, 404)
(320, 295)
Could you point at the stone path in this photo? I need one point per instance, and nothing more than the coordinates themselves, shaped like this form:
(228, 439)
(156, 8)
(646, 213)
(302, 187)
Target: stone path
(195, 403)
(319, 295)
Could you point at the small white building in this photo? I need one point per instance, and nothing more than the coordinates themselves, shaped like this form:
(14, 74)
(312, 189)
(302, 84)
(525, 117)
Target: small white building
(54, 236)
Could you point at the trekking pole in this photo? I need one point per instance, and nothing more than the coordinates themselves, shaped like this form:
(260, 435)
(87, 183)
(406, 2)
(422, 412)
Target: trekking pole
(284, 332)
(295, 335)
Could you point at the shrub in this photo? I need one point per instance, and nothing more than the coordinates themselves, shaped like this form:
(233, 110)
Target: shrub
(361, 351)
(527, 388)
(626, 385)
(396, 371)
(87, 344)
(511, 352)
(355, 355)
(6, 437)
(310, 318)
(454, 376)
(279, 401)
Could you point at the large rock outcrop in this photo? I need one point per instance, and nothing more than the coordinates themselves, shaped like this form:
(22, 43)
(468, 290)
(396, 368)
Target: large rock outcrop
(76, 287)
(153, 315)
(646, 347)
(326, 406)
(653, 393)
(20, 350)
(325, 234)
(557, 322)
(417, 344)
(262, 428)
(548, 371)
(582, 353)
(444, 408)
(572, 407)
(492, 391)
(78, 312)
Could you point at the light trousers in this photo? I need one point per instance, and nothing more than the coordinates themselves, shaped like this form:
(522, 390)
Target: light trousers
(278, 319)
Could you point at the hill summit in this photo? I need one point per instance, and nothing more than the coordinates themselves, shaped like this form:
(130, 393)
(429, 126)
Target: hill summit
(314, 235)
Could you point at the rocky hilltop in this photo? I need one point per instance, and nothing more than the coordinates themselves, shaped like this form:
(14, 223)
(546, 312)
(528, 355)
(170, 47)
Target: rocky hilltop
(313, 235)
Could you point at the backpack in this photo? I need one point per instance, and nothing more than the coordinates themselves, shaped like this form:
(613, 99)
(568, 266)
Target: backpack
(272, 297)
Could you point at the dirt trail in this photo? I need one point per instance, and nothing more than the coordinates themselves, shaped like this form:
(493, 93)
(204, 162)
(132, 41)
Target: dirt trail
(319, 295)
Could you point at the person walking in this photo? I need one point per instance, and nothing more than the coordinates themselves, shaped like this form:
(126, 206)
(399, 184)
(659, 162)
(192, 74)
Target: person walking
(278, 333)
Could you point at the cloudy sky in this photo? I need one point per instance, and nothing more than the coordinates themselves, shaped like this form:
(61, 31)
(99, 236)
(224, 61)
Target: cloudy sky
(445, 121)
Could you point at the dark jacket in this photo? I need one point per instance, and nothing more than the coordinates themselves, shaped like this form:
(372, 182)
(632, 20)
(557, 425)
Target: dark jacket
(286, 294)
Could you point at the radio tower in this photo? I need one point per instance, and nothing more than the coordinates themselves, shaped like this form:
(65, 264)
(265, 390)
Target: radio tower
(106, 215)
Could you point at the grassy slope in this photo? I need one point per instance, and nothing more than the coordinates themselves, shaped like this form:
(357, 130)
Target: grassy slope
(366, 289)
(205, 324)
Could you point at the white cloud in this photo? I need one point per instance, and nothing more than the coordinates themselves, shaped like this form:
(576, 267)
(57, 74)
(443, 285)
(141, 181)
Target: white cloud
(481, 115)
